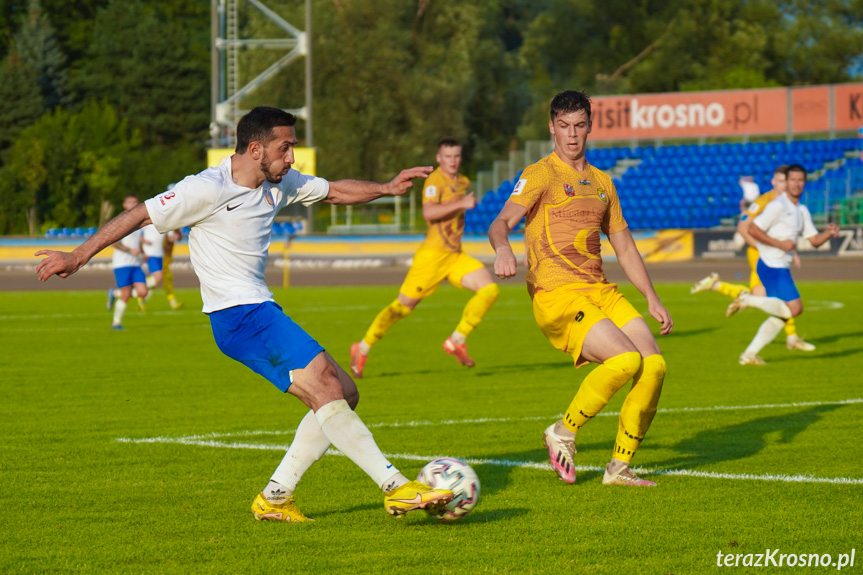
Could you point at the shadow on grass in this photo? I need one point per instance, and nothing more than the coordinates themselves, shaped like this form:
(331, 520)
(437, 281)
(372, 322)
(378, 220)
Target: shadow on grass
(694, 332)
(837, 337)
(483, 371)
(478, 515)
(742, 440)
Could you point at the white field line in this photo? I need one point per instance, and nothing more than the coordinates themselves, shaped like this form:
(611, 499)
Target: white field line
(211, 440)
(771, 477)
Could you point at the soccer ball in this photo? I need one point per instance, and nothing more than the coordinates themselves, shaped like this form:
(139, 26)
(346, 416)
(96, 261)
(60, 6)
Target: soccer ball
(457, 476)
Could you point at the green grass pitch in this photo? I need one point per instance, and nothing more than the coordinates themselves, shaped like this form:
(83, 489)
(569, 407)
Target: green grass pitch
(141, 451)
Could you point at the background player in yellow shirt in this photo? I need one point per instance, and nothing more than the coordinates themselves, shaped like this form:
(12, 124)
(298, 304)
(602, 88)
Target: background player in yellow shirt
(567, 203)
(712, 282)
(439, 257)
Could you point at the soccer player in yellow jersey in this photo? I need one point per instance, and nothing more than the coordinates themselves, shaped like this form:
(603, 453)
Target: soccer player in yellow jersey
(439, 257)
(567, 203)
(712, 281)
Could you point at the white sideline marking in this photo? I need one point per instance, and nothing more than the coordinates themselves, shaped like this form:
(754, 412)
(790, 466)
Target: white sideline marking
(210, 440)
(819, 305)
(770, 477)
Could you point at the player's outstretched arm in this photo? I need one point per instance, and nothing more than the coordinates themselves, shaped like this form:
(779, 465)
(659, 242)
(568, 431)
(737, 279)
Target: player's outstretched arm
(351, 192)
(505, 264)
(633, 266)
(65, 264)
(831, 231)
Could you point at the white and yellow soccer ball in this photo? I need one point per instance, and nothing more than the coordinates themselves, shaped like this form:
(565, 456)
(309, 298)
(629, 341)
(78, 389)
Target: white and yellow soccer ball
(457, 476)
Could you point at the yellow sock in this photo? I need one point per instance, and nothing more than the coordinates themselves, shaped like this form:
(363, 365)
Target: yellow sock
(790, 327)
(731, 290)
(639, 407)
(476, 308)
(385, 320)
(598, 387)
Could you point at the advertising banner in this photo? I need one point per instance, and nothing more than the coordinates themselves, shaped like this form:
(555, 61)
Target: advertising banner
(810, 109)
(848, 103)
(690, 114)
(727, 244)
(728, 113)
(305, 159)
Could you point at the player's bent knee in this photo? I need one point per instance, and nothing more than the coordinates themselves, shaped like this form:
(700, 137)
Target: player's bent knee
(655, 365)
(489, 292)
(399, 309)
(627, 363)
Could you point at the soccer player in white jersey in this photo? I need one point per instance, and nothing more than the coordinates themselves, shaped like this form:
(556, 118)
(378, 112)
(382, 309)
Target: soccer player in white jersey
(127, 270)
(154, 243)
(776, 230)
(230, 209)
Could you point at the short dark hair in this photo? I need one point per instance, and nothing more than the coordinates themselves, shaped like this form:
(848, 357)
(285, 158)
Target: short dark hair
(568, 102)
(448, 142)
(796, 168)
(783, 169)
(258, 124)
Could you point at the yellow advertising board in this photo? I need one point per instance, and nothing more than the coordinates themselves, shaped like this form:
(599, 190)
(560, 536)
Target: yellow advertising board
(305, 159)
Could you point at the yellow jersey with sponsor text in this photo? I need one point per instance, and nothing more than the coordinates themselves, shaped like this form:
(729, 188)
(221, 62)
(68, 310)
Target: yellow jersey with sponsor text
(441, 189)
(566, 211)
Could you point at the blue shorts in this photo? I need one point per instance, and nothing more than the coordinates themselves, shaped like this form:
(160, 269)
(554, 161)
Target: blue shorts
(264, 339)
(154, 264)
(777, 282)
(129, 275)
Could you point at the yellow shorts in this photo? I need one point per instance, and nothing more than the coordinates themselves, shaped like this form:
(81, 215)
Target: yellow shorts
(566, 314)
(430, 267)
(752, 258)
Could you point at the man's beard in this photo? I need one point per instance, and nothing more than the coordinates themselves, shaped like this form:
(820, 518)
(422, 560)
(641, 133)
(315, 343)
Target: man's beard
(265, 167)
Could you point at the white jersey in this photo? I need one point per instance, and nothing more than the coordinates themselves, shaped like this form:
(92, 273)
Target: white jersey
(782, 219)
(154, 248)
(122, 259)
(230, 228)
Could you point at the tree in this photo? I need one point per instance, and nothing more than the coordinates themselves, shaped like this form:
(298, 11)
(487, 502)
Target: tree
(161, 86)
(34, 75)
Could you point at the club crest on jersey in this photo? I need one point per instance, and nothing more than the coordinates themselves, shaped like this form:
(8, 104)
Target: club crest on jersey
(602, 196)
(269, 198)
(570, 191)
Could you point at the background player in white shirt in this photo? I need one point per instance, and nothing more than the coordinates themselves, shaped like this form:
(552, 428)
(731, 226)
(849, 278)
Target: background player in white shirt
(154, 244)
(776, 230)
(231, 209)
(126, 262)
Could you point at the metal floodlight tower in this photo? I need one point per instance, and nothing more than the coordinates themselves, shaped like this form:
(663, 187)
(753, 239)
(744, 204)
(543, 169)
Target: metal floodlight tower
(226, 94)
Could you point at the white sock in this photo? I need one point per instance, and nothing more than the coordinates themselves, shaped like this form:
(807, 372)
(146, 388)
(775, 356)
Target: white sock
(771, 305)
(308, 446)
(347, 432)
(116, 292)
(766, 333)
(364, 347)
(119, 309)
(458, 338)
(276, 493)
(151, 283)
